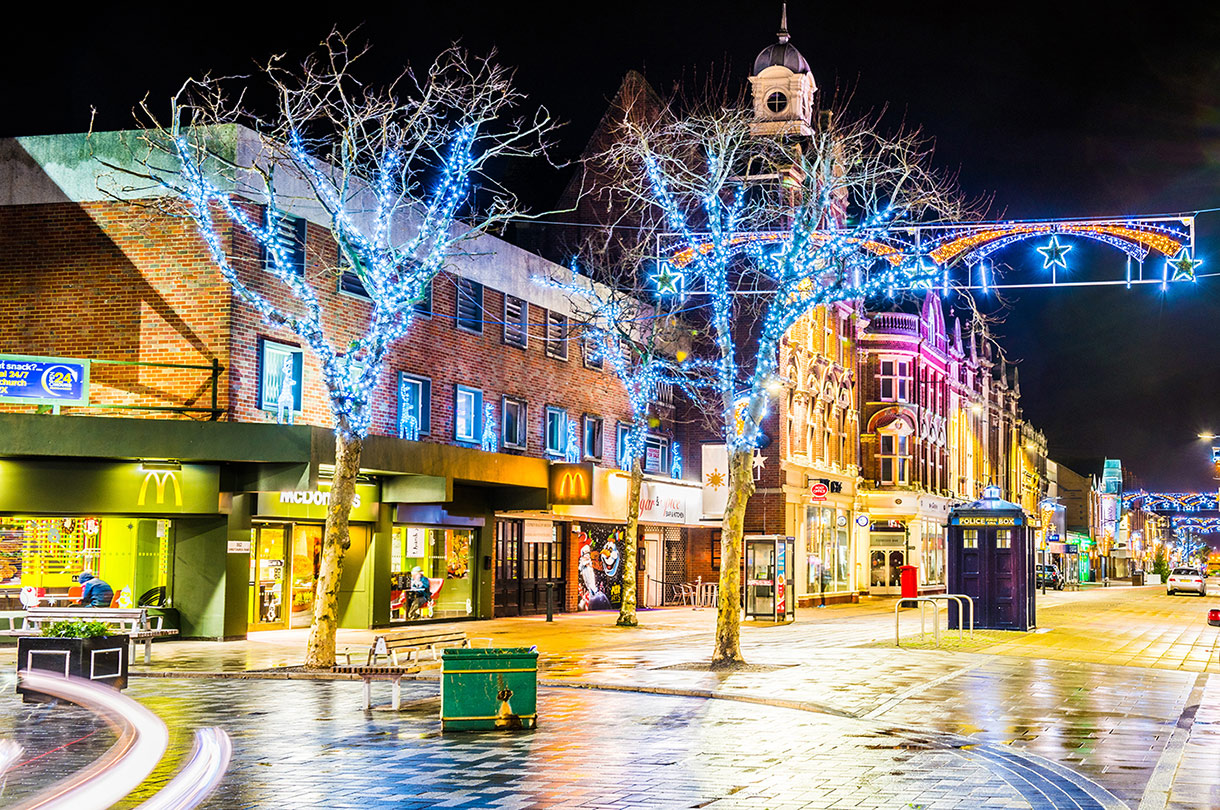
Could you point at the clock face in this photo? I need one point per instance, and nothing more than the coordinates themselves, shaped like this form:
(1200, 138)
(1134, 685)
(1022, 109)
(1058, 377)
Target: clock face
(777, 102)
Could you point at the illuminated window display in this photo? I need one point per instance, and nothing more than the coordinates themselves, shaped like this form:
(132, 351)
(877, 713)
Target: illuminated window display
(47, 553)
(827, 550)
(443, 555)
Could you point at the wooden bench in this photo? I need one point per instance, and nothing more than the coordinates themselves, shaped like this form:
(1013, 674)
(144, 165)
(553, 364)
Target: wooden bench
(135, 623)
(370, 673)
(412, 642)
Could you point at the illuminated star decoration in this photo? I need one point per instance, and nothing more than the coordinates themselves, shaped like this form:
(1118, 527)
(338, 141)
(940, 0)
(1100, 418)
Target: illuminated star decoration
(1183, 266)
(1054, 254)
(669, 281)
(715, 479)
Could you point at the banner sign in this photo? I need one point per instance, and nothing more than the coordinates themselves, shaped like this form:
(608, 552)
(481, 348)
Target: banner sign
(781, 579)
(43, 380)
(663, 503)
(715, 480)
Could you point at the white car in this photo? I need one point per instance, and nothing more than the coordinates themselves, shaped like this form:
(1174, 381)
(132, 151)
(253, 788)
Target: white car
(1186, 579)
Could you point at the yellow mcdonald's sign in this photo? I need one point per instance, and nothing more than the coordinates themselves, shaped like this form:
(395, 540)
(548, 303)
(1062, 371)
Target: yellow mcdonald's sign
(160, 478)
(571, 484)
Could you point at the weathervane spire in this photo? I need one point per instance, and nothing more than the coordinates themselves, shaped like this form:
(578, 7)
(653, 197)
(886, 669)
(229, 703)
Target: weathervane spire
(783, 23)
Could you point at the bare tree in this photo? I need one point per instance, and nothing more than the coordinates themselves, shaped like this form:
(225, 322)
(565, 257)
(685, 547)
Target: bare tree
(762, 229)
(389, 170)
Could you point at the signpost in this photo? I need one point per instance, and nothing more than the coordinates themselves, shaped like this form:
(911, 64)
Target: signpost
(819, 490)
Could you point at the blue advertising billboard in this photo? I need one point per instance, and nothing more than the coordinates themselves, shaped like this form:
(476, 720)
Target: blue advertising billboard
(43, 380)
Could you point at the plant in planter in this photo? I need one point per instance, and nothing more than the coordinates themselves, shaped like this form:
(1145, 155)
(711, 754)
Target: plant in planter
(74, 647)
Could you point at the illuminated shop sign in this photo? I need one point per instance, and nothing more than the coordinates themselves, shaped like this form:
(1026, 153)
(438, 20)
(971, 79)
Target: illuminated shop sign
(136, 488)
(311, 504)
(571, 484)
(43, 380)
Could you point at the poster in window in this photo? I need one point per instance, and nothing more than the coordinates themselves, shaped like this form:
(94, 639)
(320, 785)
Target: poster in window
(599, 567)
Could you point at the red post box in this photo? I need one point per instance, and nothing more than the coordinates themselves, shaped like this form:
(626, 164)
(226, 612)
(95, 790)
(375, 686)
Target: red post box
(910, 581)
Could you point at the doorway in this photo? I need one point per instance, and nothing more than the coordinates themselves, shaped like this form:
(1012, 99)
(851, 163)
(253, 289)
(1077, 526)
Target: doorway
(651, 589)
(885, 570)
(524, 566)
(267, 576)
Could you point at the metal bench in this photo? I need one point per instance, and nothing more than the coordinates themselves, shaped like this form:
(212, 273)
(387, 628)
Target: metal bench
(135, 623)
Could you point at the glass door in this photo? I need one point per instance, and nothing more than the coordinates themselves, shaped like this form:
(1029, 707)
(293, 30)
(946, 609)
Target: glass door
(885, 570)
(306, 555)
(760, 578)
(267, 564)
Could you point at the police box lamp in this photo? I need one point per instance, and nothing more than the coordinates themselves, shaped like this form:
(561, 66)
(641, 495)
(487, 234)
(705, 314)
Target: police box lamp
(571, 484)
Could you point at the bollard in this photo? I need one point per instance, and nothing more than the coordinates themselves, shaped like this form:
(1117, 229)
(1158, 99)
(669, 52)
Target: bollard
(550, 601)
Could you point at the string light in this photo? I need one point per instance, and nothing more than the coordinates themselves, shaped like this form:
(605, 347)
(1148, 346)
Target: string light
(1054, 254)
(491, 439)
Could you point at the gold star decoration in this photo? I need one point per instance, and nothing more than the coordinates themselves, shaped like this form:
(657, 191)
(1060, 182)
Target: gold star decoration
(715, 479)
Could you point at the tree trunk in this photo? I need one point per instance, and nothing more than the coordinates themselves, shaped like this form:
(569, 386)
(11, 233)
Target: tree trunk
(321, 652)
(727, 653)
(626, 611)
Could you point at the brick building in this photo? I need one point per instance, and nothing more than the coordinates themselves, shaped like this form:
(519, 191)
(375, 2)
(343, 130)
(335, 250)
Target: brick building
(198, 386)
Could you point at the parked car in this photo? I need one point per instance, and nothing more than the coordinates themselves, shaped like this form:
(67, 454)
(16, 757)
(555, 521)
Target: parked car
(1050, 573)
(1185, 579)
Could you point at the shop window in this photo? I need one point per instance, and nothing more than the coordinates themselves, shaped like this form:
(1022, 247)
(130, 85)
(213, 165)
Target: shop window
(514, 421)
(516, 321)
(556, 335)
(555, 428)
(467, 414)
(443, 556)
(289, 238)
(414, 406)
(895, 380)
(656, 451)
(591, 447)
(970, 538)
(281, 376)
(469, 305)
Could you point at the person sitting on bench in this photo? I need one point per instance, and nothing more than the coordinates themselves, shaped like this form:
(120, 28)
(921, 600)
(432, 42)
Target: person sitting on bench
(419, 593)
(95, 593)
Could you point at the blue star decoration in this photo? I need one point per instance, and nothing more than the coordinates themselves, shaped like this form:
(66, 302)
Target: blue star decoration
(1183, 266)
(1054, 254)
(669, 281)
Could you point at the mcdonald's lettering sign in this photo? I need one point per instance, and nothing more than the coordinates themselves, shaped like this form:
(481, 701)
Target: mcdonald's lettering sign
(571, 484)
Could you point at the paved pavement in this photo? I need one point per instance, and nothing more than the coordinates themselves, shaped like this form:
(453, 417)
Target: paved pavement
(839, 717)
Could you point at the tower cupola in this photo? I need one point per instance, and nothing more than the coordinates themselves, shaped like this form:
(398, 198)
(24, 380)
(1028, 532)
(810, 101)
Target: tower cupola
(783, 87)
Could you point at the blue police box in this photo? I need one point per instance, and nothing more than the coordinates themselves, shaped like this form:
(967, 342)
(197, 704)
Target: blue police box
(991, 559)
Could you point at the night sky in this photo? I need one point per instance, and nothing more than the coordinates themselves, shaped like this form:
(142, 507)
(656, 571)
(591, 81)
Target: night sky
(1052, 112)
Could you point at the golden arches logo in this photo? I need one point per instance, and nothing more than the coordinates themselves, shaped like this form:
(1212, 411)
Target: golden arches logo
(573, 485)
(160, 478)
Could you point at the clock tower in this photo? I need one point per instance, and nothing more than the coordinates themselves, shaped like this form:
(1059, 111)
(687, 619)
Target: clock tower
(783, 88)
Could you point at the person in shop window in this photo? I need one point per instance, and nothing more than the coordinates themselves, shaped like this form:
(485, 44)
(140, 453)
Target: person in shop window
(95, 592)
(419, 592)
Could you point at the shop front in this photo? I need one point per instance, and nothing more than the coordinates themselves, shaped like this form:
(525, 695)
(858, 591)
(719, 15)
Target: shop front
(286, 549)
(829, 555)
(136, 525)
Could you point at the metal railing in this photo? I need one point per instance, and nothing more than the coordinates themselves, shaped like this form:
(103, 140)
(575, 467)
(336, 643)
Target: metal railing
(933, 599)
(214, 370)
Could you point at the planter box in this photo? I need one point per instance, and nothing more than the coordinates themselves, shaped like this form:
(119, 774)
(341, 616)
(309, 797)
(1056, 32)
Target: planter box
(102, 659)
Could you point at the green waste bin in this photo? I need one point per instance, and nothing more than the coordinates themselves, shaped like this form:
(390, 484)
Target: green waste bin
(489, 689)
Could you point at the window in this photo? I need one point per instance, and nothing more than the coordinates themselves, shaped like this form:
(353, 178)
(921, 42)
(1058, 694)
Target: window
(423, 306)
(656, 448)
(592, 353)
(414, 406)
(516, 321)
(514, 421)
(592, 445)
(777, 102)
(349, 281)
(281, 370)
(555, 431)
(621, 432)
(893, 458)
(467, 414)
(556, 335)
(469, 305)
(895, 380)
(1003, 538)
(970, 538)
(289, 237)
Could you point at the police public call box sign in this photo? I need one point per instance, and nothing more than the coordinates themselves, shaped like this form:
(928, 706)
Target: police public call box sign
(28, 380)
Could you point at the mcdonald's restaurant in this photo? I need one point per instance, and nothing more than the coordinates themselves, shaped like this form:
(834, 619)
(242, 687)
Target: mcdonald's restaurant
(219, 525)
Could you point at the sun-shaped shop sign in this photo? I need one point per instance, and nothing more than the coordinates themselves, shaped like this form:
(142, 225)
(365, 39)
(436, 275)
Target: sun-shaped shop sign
(715, 479)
